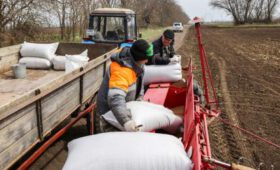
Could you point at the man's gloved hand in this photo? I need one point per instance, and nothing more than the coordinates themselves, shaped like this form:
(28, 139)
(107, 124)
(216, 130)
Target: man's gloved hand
(140, 98)
(175, 59)
(130, 126)
(172, 54)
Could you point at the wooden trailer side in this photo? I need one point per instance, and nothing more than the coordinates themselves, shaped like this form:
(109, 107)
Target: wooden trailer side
(33, 114)
(8, 56)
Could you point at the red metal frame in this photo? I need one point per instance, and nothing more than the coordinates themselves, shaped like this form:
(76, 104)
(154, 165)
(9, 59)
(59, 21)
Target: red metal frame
(35, 155)
(176, 96)
(157, 93)
(195, 135)
(207, 76)
(195, 124)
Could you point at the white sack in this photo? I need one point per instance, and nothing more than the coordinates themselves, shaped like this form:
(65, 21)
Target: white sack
(162, 73)
(60, 61)
(36, 63)
(84, 53)
(127, 151)
(74, 62)
(46, 51)
(151, 116)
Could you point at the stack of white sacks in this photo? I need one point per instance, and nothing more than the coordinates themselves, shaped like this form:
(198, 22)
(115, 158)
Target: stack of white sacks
(37, 56)
(42, 56)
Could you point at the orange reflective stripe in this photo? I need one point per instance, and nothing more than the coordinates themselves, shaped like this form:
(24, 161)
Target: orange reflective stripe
(121, 77)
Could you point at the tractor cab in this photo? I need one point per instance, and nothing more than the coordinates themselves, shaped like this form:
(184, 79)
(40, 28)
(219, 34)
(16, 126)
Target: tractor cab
(111, 25)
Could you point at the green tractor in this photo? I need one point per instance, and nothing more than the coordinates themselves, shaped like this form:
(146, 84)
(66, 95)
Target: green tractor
(112, 25)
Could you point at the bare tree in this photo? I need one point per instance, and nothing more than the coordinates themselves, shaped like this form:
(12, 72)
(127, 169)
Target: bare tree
(60, 8)
(270, 9)
(30, 18)
(227, 6)
(156, 12)
(247, 11)
(87, 7)
(110, 3)
(9, 9)
(259, 10)
(130, 4)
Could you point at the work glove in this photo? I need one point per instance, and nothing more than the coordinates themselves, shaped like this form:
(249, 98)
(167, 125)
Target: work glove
(130, 126)
(172, 54)
(175, 59)
(140, 98)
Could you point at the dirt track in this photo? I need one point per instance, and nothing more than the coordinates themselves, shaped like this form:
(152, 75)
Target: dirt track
(245, 63)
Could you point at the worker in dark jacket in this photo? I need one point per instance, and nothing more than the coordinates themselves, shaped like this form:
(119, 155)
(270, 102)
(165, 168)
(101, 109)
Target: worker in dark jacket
(163, 49)
(122, 83)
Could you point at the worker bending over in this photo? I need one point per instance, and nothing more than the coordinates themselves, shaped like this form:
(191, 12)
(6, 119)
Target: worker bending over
(121, 84)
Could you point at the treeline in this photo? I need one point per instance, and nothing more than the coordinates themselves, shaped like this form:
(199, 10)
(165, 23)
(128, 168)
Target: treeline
(248, 11)
(67, 19)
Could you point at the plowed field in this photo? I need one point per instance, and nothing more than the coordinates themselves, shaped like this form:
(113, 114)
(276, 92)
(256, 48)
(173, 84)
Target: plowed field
(245, 64)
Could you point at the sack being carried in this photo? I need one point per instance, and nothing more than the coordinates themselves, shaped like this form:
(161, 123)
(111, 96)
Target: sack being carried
(127, 151)
(162, 73)
(150, 116)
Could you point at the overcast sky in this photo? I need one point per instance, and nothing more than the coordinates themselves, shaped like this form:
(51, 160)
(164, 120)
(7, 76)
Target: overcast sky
(201, 8)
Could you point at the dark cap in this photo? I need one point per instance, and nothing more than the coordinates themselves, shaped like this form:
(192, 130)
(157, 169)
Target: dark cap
(141, 50)
(169, 34)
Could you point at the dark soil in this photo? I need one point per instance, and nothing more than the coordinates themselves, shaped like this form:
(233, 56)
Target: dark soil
(245, 64)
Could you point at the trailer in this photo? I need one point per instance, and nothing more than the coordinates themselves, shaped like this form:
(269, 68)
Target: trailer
(32, 107)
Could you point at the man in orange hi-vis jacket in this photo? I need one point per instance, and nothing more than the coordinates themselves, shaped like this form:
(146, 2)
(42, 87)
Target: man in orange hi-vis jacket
(122, 83)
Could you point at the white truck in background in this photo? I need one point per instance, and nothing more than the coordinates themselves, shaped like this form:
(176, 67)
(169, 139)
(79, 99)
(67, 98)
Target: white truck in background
(177, 27)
